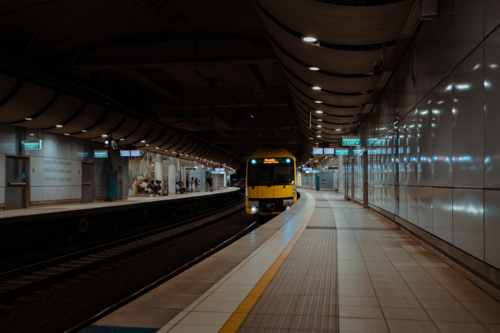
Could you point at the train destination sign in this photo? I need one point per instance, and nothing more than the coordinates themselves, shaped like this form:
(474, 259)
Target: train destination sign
(351, 141)
(270, 161)
(342, 151)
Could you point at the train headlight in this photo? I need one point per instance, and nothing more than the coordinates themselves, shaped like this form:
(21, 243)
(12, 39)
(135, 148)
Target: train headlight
(288, 160)
(254, 161)
(253, 209)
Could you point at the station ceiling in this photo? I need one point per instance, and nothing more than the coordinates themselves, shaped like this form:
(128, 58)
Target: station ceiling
(212, 79)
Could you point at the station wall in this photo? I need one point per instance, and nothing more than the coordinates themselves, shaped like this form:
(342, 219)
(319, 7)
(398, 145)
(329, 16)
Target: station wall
(55, 170)
(432, 137)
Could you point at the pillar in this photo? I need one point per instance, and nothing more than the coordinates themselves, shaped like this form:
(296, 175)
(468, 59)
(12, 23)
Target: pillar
(340, 174)
(365, 179)
(158, 167)
(353, 164)
(172, 173)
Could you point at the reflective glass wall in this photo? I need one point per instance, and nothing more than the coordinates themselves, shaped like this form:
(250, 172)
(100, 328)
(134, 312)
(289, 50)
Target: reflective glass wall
(433, 138)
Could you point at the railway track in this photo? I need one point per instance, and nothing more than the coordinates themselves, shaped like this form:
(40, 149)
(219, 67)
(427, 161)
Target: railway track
(20, 282)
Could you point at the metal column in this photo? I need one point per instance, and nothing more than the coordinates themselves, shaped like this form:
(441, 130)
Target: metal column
(353, 163)
(365, 179)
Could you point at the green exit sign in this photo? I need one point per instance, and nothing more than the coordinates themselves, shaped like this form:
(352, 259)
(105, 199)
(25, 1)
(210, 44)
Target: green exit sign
(100, 154)
(340, 151)
(32, 145)
(351, 141)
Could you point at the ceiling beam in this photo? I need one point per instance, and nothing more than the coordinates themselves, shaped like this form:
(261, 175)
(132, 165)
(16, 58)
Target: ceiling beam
(175, 64)
(149, 83)
(242, 103)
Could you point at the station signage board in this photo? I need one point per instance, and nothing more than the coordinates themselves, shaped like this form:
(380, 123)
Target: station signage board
(125, 153)
(351, 141)
(135, 153)
(329, 151)
(33, 145)
(219, 170)
(342, 151)
(100, 154)
(317, 151)
(270, 161)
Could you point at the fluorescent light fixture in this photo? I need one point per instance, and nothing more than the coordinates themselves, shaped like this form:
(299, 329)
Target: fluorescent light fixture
(318, 136)
(157, 147)
(319, 102)
(32, 134)
(313, 68)
(319, 119)
(309, 39)
(59, 125)
(143, 141)
(147, 144)
(66, 133)
(338, 129)
(28, 118)
(318, 111)
(315, 88)
(104, 135)
(122, 139)
(318, 125)
(84, 131)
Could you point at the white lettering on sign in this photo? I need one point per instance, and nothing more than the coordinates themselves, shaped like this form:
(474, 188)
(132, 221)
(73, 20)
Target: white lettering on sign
(56, 172)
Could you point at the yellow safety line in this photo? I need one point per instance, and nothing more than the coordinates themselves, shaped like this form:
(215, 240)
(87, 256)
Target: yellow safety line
(235, 321)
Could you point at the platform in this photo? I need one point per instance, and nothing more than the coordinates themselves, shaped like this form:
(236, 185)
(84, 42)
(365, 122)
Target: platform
(326, 265)
(39, 212)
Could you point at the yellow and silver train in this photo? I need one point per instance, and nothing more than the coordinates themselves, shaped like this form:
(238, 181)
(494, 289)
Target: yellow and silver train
(271, 184)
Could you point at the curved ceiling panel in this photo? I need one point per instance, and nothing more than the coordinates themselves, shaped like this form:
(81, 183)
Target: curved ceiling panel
(337, 61)
(7, 84)
(59, 112)
(90, 116)
(346, 25)
(29, 100)
(335, 83)
(327, 97)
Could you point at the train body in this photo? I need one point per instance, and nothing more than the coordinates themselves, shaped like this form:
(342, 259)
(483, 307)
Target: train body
(271, 184)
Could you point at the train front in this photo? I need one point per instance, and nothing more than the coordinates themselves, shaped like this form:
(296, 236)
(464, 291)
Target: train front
(271, 185)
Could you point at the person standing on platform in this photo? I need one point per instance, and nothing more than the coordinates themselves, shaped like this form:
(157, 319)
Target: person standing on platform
(196, 185)
(191, 185)
(210, 183)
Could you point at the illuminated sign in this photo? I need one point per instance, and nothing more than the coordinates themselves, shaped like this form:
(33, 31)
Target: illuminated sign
(317, 151)
(357, 151)
(125, 153)
(329, 151)
(370, 141)
(100, 154)
(340, 151)
(351, 141)
(219, 170)
(32, 145)
(270, 161)
(135, 153)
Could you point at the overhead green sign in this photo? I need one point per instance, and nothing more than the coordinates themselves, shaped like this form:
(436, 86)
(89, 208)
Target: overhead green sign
(32, 145)
(340, 151)
(100, 154)
(370, 141)
(357, 151)
(351, 141)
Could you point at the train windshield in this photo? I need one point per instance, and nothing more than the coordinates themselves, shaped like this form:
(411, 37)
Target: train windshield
(270, 175)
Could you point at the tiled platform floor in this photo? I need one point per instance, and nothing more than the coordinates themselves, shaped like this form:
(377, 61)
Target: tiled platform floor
(386, 281)
(130, 201)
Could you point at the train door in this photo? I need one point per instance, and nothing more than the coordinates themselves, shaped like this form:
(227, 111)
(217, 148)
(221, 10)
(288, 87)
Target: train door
(87, 182)
(266, 177)
(16, 189)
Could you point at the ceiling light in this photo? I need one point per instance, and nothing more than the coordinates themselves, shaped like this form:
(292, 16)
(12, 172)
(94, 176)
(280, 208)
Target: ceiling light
(143, 141)
(104, 135)
(318, 125)
(59, 125)
(312, 68)
(28, 118)
(319, 119)
(338, 129)
(318, 131)
(147, 144)
(32, 134)
(84, 131)
(319, 111)
(157, 147)
(309, 39)
(315, 88)
(318, 136)
(166, 149)
(122, 139)
(66, 133)
(319, 102)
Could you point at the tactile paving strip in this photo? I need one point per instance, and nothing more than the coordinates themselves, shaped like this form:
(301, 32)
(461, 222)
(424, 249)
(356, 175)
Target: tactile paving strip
(302, 296)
